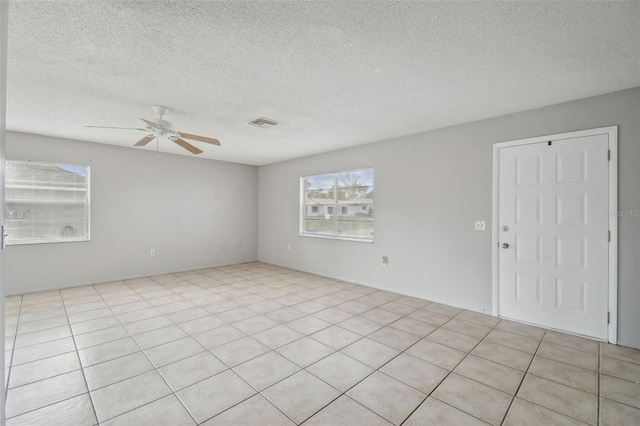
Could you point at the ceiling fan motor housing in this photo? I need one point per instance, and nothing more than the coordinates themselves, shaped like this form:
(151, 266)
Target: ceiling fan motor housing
(163, 123)
(161, 110)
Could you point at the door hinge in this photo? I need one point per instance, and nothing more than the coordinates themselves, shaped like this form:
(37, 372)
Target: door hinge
(609, 155)
(609, 235)
(608, 317)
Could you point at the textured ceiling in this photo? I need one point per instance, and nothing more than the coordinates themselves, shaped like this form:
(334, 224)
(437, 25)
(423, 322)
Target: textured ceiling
(335, 74)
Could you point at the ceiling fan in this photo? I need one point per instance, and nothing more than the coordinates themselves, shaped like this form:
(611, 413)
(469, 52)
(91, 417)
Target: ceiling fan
(158, 128)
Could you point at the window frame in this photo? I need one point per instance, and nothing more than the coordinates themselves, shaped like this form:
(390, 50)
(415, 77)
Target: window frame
(54, 240)
(336, 207)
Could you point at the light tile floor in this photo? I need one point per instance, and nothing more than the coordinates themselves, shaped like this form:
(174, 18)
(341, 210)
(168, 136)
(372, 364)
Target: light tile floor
(258, 344)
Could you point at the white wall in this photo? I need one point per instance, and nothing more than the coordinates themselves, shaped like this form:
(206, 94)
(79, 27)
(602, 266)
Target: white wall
(429, 190)
(175, 204)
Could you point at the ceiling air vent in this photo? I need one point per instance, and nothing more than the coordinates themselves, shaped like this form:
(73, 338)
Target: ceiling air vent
(263, 123)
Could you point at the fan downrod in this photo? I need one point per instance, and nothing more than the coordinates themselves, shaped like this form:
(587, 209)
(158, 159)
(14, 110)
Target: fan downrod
(161, 110)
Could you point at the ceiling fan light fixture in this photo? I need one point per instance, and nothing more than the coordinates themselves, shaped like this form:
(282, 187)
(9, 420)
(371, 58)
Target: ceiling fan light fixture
(263, 123)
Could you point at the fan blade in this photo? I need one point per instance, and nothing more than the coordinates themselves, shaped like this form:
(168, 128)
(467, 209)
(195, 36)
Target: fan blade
(151, 124)
(122, 128)
(145, 140)
(187, 146)
(200, 138)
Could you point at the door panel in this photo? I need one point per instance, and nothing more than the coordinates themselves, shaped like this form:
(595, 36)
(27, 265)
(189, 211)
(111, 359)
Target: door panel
(553, 200)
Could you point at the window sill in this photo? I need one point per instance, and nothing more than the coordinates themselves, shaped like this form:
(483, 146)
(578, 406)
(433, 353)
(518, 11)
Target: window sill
(51, 241)
(331, 237)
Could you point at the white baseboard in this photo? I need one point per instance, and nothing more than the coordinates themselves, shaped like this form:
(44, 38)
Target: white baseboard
(377, 287)
(129, 277)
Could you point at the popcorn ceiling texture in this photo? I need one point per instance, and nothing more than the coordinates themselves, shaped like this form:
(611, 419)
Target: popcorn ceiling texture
(336, 74)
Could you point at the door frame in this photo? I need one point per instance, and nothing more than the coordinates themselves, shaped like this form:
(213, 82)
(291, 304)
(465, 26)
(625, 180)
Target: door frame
(4, 25)
(612, 132)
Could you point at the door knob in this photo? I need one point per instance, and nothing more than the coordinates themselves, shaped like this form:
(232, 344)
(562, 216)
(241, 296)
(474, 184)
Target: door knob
(505, 245)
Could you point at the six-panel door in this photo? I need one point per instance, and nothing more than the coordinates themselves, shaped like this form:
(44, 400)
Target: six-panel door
(554, 230)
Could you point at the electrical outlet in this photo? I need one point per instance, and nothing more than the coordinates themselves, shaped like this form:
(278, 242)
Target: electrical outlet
(153, 252)
(480, 225)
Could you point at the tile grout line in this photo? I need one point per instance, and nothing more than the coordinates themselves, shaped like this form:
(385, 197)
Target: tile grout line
(57, 375)
(452, 369)
(302, 368)
(621, 403)
(231, 368)
(162, 314)
(275, 350)
(87, 332)
(598, 384)
(258, 393)
(385, 363)
(357, 402)
(361, 337)
(551, 409)
(155, 369)
(564, 384)
(302, 289)
(524, 376)
(325, 307)
(13, 351)
(574, 366)
(84, 378)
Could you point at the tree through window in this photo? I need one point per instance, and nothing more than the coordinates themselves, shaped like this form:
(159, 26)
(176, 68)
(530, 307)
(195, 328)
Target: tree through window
(348, 193)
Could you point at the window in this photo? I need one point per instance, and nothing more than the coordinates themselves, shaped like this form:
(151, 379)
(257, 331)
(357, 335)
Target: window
(46, 202)
(349, 193)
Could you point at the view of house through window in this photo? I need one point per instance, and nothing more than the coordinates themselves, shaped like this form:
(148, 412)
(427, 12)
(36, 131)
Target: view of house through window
(46, 202)
(349, 194)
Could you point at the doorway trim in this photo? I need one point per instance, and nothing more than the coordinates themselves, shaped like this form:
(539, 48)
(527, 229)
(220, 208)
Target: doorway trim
(612, 132)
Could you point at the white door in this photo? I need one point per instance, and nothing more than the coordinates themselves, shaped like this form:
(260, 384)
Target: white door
(553, 234)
